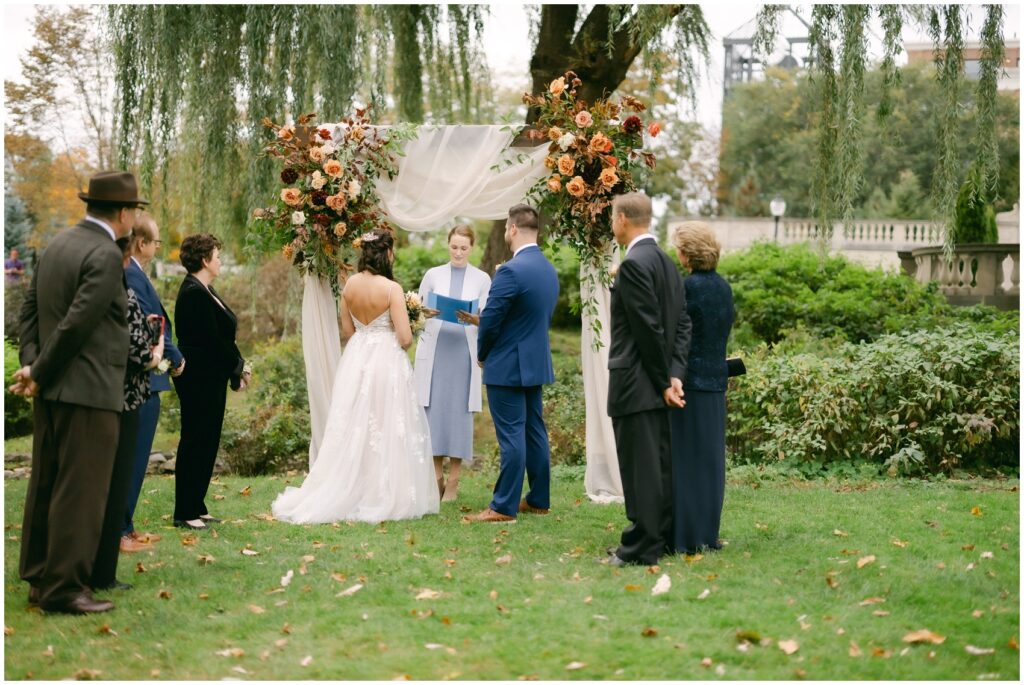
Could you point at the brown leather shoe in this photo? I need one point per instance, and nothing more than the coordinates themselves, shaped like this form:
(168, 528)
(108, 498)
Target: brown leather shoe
(145, 538)
(488, 515)
(525, 508)
(82, 604)
(129, 545)
(33, 596)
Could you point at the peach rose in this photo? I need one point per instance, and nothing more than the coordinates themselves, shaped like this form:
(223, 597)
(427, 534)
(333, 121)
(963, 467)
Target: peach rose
(357, 133)
(576, 187)
(557, 86)
(286, 132)
(554, 133)
(550, 162)
(608, 177)
(317, 180)
(340, 228)
(336, 202)
(317, 154)
(259, 213)
(566, 165)
(555, 183)
(654, 129)
(601, 143)
(583, 119)
(333, 168)
(291, 196)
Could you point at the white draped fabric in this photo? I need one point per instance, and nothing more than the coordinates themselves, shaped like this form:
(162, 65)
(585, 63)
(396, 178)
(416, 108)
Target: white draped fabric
(448, 172)
(601, 480)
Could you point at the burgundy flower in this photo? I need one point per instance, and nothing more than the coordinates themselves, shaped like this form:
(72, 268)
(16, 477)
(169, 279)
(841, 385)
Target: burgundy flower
(324, 134)
(632, 125)
(322, 219)
(319, 197)
(289, 175)
(358, 218)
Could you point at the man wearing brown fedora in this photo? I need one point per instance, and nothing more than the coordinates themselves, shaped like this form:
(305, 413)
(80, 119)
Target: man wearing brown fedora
(74, 350)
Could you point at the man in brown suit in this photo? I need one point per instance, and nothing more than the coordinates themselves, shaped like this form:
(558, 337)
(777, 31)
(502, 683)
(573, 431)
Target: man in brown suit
(74, 350)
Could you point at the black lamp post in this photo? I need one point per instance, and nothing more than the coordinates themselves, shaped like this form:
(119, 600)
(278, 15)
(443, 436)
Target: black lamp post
(778, 209)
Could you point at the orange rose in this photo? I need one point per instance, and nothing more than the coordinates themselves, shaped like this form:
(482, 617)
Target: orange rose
(654, 129)
(316, 154)
(554, 133)
(336, 202)
(288, 251)
(555, 183)
(557, 86)
(608, 177)
(333, 168)
(601, 143)
(291, 196)
(611, 160)
(576, 187)
(340, 228)
(566, 165)
(550, 162)
(286, 132)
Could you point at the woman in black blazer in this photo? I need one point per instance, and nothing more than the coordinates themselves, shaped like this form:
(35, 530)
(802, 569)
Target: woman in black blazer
(206, 337)
(698, 429)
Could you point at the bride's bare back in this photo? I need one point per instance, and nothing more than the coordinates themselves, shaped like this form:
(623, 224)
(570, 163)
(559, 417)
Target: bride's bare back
(366, 296)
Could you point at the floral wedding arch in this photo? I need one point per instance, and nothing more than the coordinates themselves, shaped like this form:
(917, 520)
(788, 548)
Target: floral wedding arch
(340, 180)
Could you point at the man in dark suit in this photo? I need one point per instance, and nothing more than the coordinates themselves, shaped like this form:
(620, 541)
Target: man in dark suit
(74, 351)
(515, 353)
(650, 340)
(145, 243)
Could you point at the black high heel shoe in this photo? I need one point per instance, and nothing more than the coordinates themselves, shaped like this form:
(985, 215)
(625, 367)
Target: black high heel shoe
(185, 524)
(211, 519)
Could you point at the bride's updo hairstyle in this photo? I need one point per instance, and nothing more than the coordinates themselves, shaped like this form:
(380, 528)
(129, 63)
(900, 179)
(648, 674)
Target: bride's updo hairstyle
(376, 255)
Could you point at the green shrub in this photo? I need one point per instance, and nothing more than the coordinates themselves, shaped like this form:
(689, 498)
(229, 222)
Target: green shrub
(413, 261)
(912, 403)
(567, 307)
(565, 411)
(14, 296)
(17, 409)
(271, 432)
(974, 220)
(780, 288)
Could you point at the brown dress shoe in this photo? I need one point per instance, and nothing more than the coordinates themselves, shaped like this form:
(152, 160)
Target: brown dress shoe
(488, 515)
(82, 604)
(145, 537)
(129, 545)
(525, 508)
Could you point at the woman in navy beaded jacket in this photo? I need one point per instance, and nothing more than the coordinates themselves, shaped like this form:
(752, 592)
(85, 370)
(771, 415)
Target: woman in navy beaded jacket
(698, 430)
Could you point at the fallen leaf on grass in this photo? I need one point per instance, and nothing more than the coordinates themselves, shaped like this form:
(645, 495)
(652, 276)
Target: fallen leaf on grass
(203, 595)
(706, 662)
(257, 609)
(840, 533)
(427, 593)
(350, 591)
(649, 632)
(967, 548)
(854, 649)
(48, 651)
(705, 593)
(306, 660)
(872, 600)
(632, 588)
(1012, 643)
(189, 540)
(106, 630)
(663, 585)
(896, 542)
(493, 594)
(743, 647)
(760, 526)
(881, 652)
(979, 651)
(977, 613)
(923, 635)
(720, 669)
(879, 613)
(575, 666)
(8, 630)
(240, 669)
(236, 652)
(218, 497)
(788, 646)
(308, 558)
(281, 643)
(249, 552)
(205, 559)
(139, 568)
(286, 579)
(864, 561)
(286, 629)
(976, 511)
(87, 674)
(503, 560)
(748, 636)
(164, 594)
(987, 555)
(830, 580)
(246, 491)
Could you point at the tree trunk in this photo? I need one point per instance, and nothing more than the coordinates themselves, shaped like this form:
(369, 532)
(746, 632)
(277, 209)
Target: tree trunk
(560, 50)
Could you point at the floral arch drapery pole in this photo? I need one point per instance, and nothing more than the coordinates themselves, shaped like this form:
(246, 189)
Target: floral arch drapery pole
(340, 180)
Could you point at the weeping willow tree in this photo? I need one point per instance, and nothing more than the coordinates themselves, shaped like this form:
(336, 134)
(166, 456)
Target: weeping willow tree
(195, 82)
(839, 48)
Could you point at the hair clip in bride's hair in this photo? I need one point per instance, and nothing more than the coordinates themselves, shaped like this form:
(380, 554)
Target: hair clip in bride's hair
(368, 237)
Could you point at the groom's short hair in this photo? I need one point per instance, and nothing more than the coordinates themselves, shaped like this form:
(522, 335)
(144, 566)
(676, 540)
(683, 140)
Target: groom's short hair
(636, 207)
(524, 217)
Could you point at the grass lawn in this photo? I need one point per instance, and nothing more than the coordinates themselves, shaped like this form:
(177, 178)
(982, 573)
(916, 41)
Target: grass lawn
(442, 599)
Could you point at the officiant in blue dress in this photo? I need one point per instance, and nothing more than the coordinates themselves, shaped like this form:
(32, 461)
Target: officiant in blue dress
(448, 377)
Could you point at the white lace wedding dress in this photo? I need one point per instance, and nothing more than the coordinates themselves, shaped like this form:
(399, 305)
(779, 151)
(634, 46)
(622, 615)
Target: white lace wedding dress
(375, 461)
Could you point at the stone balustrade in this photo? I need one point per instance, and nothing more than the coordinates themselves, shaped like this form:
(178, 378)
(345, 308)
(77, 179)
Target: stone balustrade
(976, 274)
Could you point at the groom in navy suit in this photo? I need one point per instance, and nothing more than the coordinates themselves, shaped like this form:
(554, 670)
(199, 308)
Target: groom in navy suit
(515, 353)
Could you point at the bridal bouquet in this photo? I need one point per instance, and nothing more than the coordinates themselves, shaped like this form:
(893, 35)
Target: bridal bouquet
(327, 194)
(418, 313)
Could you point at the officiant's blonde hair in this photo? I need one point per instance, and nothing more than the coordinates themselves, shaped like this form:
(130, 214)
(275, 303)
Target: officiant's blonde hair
(697, 241)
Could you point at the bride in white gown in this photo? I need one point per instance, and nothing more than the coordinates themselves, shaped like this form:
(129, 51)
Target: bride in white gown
(375, 461)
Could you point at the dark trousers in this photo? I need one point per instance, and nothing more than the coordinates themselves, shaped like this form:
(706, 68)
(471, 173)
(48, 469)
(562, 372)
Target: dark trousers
(104, 570)
(642, 441)
(149, 416)
(518, 415)
(202, 417)
(73, 451)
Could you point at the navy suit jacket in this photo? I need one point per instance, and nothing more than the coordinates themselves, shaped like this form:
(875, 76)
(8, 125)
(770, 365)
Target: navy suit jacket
(150, 303)
(513, 340)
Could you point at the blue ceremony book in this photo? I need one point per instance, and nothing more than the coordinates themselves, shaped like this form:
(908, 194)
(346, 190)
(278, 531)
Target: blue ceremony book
(447, 306)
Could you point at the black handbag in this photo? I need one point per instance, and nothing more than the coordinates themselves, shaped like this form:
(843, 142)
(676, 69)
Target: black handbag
(736, 366)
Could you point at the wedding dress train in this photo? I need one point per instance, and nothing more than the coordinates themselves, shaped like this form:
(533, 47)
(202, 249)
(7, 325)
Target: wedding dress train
(375, 461)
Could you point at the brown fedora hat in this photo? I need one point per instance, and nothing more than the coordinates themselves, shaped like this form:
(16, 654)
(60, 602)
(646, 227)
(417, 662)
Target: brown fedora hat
(113, 188)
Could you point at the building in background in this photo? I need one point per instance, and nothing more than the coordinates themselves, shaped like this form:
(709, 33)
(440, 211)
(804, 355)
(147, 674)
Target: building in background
(1009, 79)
